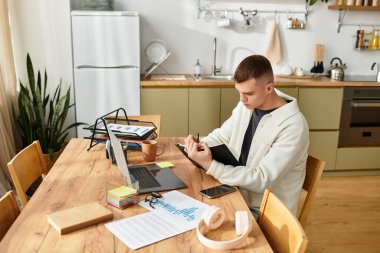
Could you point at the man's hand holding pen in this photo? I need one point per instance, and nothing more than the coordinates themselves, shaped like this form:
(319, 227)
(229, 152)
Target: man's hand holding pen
(198, 151)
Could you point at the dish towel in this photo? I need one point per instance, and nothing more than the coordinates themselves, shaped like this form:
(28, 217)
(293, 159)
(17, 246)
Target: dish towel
(273, 52)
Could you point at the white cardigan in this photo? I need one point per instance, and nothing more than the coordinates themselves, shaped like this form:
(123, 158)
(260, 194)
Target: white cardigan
(277, 157)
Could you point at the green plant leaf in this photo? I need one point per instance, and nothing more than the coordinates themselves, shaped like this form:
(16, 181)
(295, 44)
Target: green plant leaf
(42, 116)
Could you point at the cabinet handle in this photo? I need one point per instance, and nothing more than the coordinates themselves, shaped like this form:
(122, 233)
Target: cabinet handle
(353, 104)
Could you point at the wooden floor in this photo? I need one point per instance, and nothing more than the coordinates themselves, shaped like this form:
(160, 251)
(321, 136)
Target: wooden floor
(345, 215)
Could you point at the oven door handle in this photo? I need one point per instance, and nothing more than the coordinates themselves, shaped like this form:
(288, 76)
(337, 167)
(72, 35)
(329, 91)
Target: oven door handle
(355, 104)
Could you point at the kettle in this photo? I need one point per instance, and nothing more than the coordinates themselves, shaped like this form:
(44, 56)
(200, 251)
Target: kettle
(337, 71)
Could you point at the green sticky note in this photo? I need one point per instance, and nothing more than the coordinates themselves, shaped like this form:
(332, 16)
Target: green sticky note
(164, 164)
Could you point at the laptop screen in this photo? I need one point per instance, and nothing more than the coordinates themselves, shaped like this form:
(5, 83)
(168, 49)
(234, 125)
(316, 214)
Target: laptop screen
(119, 155)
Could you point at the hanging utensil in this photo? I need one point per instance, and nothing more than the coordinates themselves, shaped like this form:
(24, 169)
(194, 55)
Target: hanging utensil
(314, 68)
(321, 57)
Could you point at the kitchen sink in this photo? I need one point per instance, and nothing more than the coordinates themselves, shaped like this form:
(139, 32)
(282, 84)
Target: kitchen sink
(219, 77)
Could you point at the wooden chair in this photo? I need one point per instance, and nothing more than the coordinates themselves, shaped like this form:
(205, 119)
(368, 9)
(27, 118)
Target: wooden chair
(9, 212)
(314, 169)
(26, 168)
(280, 227)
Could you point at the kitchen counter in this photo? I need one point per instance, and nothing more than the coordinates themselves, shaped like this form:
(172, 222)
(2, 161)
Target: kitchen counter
(279, 82)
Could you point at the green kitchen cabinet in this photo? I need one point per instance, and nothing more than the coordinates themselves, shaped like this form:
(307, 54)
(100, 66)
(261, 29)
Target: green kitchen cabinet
(321, 107)
(229, 98)
(204, 110)
(323, 145)
(354, 158)
(293, 92)
(173, 106)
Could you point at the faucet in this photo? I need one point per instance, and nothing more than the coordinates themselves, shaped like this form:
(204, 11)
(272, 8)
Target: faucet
(215, 70)
(378, 70)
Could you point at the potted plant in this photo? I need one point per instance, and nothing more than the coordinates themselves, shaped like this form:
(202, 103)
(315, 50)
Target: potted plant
(311, 2)
(42, 116)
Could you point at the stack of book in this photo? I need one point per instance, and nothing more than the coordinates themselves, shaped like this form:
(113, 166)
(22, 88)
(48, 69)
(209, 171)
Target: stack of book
(122, 197)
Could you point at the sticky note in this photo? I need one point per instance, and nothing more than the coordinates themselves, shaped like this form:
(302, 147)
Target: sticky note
(164, 164)
(122, 191)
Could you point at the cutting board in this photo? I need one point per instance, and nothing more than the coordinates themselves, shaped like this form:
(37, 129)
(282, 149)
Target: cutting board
(295, 76)
(75, 218)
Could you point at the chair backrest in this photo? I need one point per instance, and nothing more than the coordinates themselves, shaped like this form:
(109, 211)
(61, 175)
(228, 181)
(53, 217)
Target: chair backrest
(314, 169)
(25, 168)
(280, 227)
(9, 212)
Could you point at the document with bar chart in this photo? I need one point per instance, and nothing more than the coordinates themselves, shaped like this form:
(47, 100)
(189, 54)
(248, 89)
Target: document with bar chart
(173, 214)
(176, 206)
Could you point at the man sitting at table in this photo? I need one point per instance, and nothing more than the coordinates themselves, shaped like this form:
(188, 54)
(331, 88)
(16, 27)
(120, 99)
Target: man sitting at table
(267, 132)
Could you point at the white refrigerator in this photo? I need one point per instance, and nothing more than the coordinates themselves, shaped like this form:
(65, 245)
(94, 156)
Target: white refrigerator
(106, 56)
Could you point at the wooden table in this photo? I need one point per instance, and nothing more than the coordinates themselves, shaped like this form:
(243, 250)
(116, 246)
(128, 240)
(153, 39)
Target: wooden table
(79, 176)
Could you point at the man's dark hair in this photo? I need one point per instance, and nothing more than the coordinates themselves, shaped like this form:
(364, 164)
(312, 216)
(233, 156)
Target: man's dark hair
(254, 66)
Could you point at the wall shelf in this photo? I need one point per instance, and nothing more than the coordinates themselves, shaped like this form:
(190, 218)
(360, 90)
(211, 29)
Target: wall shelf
(354, 8)
(343, 10)
(367, 49)
(202, 9)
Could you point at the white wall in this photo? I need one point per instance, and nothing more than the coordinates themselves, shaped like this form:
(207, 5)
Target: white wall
(42, 28)
(190, 38)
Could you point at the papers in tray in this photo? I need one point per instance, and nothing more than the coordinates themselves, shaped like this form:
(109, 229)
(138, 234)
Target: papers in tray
(121, 130)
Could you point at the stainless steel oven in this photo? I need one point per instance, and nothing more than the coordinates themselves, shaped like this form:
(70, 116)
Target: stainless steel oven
(360, 118)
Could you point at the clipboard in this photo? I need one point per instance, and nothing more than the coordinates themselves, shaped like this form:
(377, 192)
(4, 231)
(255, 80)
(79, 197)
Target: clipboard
(220, 153)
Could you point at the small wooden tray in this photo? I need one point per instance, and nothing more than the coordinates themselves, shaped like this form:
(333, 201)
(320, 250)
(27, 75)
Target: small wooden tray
(75, 218)
(295, 76)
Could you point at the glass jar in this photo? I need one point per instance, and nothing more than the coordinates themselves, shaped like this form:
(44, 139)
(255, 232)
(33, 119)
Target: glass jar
(339, 2)
(290, 23)
(295, 23)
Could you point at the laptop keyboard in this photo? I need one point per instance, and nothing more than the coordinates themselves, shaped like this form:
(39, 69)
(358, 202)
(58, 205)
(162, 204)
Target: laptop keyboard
(146, 180)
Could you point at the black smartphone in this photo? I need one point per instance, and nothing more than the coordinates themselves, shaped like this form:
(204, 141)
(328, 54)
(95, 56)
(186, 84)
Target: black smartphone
(217, 191)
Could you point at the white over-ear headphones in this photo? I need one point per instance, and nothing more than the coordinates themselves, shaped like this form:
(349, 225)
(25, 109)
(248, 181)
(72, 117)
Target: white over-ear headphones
(213, 218)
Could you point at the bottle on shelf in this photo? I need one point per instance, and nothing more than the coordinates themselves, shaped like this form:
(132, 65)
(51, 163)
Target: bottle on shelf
(290, 23)
(375, 39)
(339, 2)
(366, 43)
(361, 39)
(197, 69)
(295, 23)
(359, 2)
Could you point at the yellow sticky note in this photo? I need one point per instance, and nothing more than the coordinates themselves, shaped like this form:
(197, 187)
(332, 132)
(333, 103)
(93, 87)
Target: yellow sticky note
(122, 191)
(164, 164)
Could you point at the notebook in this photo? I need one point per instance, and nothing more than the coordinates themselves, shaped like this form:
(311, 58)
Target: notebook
(220, 153)
(75, 218)
(151, 177)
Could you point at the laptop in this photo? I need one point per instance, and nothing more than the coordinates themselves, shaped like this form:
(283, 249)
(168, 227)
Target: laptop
(150, 176)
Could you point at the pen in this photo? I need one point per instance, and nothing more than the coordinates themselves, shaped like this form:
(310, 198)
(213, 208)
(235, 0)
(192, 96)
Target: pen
(201, 149)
